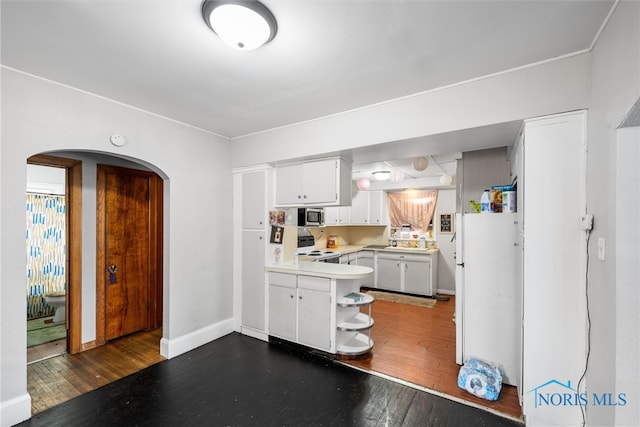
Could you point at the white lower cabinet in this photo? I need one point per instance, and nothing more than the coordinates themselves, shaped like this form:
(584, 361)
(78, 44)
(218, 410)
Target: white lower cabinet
(317, 312)
(365, 259)
(282, 312)
(410, 273)
(314, 318)
(300, 309)
(389, 273)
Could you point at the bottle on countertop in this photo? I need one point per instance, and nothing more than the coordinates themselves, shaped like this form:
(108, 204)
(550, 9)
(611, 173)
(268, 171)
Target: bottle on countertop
(486, 202)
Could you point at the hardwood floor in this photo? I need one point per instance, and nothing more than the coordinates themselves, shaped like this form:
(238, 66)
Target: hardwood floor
(46, 350)
(60, 378)
(240, 381)
(418, 345)
(413, 344)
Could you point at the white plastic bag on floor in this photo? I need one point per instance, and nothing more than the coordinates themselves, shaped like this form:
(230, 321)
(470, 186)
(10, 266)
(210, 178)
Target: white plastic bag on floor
(481, 379)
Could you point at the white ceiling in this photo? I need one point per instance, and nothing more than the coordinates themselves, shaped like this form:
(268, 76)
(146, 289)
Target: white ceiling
(328, 56)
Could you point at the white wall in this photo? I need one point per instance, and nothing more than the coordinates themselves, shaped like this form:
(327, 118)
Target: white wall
(546, 88)
(446, 260)
(627, 273)
(39, 116)
(613, 89)
(481, 170)
(45, 179)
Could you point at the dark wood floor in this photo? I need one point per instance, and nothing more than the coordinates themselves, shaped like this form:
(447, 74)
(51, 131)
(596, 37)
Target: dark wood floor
(418, 345)
(241, 381)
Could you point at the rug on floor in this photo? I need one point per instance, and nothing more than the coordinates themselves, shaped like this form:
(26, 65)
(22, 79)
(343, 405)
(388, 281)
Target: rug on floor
(403, 299)
(42, 330)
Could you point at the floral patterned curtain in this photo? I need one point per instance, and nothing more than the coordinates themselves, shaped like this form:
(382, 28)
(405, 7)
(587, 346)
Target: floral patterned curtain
(46, 250)
(413, 207)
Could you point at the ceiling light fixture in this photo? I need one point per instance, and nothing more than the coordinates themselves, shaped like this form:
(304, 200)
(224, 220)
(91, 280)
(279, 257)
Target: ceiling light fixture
(244, 25)
(381, 175)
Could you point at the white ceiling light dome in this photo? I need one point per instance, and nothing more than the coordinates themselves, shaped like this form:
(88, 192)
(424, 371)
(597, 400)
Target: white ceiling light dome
(420, 163)
(381, 175)
(244, 25)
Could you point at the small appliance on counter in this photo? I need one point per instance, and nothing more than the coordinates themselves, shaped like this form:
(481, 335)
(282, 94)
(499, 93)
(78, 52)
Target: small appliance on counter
(310, 217)
(332, 241)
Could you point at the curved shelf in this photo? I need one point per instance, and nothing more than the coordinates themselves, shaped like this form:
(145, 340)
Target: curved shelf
(356, 345)
(347, 302)
(357, 322)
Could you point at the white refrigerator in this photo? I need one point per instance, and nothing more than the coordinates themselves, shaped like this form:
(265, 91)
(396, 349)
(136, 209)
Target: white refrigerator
(489, 292)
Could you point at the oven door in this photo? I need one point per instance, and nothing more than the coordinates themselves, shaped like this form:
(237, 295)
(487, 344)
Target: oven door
(332, 260)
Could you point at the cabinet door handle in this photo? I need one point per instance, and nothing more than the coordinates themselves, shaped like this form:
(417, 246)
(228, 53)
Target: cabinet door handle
(291, 296)
(299, 196)
(299, 296)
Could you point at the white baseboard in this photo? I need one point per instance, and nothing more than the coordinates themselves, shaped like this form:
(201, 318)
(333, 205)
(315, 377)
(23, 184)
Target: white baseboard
(261, 335)
(446, 292)
(16, 410)
(182, 344)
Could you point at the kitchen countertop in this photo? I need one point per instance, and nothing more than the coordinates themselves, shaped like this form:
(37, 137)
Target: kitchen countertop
(323, 269)
(346, 249)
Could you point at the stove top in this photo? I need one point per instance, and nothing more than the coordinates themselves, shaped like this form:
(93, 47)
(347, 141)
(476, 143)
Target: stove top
(317, 254)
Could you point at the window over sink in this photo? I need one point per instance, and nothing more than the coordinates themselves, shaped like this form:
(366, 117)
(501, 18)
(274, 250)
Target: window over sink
(413, 209)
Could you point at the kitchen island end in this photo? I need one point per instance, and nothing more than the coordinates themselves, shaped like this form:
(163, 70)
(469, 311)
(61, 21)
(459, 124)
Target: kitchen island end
(319, 305)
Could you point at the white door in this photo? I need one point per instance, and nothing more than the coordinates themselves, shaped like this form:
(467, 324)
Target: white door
(490, 299)
(282, 312)
(388, 268)
(459, 286)
(253, 200)
(417, 276)
(253, 280)
(360, 208)
(314, 318)
(319, 181)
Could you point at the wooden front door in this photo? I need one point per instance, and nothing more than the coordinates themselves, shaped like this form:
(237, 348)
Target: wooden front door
(126, 236)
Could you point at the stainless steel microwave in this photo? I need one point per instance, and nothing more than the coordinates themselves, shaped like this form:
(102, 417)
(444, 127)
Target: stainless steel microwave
(309, 217)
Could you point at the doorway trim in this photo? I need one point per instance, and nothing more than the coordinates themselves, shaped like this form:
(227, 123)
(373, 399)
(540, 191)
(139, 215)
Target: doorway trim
(73, 260)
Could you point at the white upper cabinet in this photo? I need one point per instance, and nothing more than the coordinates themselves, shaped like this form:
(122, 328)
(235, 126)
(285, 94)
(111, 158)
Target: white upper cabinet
(360, 208)
(377, 208)
(367, 208)
(337, 215)
(325, 182)
(253, 200)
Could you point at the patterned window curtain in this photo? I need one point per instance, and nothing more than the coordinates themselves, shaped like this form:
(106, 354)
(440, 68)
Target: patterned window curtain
(46, 251)
(412, 207)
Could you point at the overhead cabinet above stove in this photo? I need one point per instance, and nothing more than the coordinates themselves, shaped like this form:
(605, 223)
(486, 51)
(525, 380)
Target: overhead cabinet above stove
(325, 182)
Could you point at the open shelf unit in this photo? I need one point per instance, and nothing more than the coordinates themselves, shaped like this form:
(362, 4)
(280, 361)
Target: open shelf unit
(353, 327)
